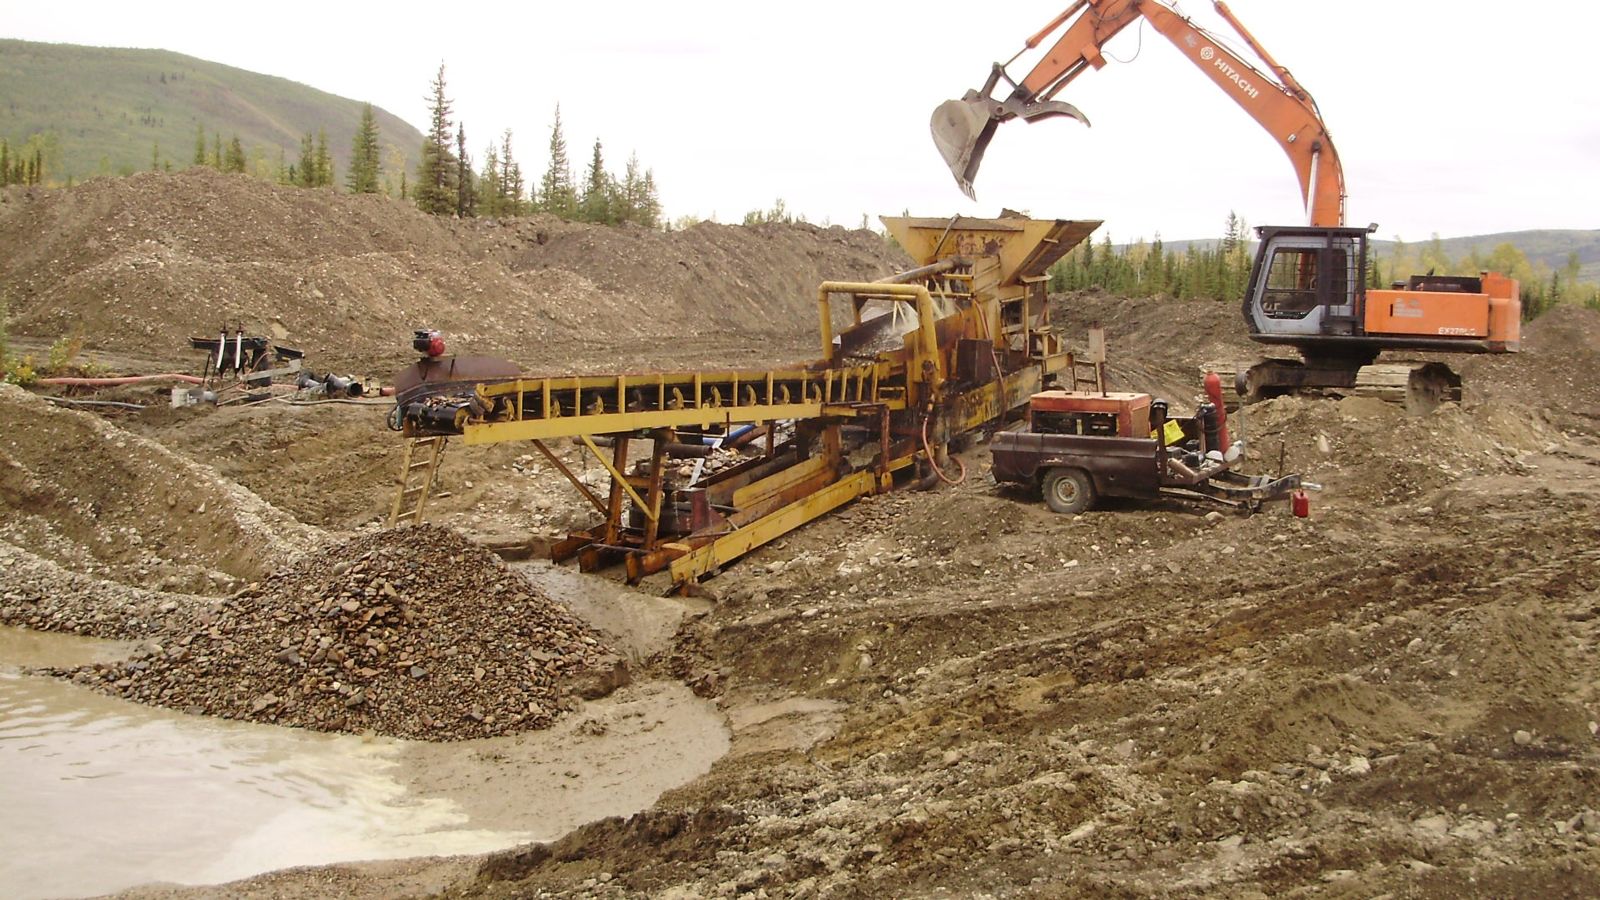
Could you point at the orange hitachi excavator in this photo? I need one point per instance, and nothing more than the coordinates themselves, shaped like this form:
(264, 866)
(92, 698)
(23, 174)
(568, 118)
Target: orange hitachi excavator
(1307, 286)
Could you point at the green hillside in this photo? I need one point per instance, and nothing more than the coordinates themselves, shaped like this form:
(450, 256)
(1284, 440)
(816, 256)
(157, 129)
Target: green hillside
(104, 111)
(1550, 247)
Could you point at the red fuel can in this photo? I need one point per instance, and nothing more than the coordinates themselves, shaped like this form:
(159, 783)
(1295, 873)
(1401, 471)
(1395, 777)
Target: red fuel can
(1300, 502)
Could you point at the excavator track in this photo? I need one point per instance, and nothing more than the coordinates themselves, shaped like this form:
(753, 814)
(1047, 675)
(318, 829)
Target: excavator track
(1419, 386)
(1422, 387)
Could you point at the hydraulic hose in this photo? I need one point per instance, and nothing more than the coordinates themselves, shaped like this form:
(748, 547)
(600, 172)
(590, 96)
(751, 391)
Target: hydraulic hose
(121, 380)
(926, 448)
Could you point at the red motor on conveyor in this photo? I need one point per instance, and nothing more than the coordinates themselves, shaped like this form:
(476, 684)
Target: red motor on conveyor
(429, 342)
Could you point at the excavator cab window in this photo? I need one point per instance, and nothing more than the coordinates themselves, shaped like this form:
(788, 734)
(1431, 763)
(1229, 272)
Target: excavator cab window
(1341, 271)
(1291, 283)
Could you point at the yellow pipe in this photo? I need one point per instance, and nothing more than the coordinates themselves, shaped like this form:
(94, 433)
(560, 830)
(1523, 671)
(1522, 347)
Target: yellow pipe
(915, 294)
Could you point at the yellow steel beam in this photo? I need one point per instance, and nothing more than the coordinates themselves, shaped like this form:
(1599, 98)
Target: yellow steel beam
(751, 494)
(729, 547)
(618, 478)
(612, 423)
(659, 383)
(991, 401)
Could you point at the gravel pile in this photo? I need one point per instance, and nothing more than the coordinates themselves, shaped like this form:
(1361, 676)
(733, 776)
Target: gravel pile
(412, 632)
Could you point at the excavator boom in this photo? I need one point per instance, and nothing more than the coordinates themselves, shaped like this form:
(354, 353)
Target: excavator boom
(962, 129)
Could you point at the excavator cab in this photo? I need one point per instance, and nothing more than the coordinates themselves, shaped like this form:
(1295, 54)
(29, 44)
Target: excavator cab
(1306, 281)
(1308, 289)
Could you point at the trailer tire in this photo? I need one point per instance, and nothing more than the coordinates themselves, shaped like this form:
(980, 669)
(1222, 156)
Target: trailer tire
(1067, 491)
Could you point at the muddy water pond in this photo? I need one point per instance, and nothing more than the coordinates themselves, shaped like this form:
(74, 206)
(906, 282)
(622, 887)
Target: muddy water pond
(98, 794)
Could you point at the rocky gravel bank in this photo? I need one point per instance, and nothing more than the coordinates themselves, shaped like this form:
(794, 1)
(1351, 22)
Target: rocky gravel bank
(412, 632)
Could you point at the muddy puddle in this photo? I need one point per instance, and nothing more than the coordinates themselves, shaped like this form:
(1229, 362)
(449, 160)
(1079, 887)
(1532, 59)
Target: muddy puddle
(638, 623)
(100, 794)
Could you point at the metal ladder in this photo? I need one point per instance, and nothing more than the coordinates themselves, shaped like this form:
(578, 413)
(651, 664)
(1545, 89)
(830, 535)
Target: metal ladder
(1094, 382)
(1094, 362)
(416, 478)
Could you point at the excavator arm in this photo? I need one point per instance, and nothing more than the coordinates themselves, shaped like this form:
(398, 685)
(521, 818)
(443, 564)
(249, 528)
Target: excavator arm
(963, 128)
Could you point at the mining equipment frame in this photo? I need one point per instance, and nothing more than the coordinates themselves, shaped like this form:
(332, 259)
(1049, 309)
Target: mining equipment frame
(957, 344)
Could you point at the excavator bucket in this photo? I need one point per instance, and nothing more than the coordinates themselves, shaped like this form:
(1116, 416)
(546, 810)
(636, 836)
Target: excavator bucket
(963, 128)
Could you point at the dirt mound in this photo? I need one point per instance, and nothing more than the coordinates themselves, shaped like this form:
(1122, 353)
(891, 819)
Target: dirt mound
(413, 633)
(1366, 450)
(155, 258)
(78, 490)
(1159, 345)
(1156, 346)
(1554, 373)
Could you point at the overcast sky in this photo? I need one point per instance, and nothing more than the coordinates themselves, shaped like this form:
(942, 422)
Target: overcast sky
(1453, 117)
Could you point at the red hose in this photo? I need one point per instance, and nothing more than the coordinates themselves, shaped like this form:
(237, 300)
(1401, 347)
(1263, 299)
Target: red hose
(935, 464)
(125, 379)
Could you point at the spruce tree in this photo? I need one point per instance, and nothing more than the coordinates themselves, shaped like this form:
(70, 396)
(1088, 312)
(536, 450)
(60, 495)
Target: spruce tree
(306, 172)
(557, 195)
(199, 145)
(1232, 232)
(5, 163)
(435, 190)
(510, 178)
(235, 158)
(364, 164)
(466, 205)
(491, 184)
(216, 151)
(598, 189)
(649, 212)
(324, 160)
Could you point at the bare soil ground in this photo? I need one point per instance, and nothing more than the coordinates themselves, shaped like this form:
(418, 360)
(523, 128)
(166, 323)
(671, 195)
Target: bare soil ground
(137, 265)
(959, 693)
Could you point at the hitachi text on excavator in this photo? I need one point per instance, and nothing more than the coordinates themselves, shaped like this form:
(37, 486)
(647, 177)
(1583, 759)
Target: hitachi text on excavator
(1307, 287)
